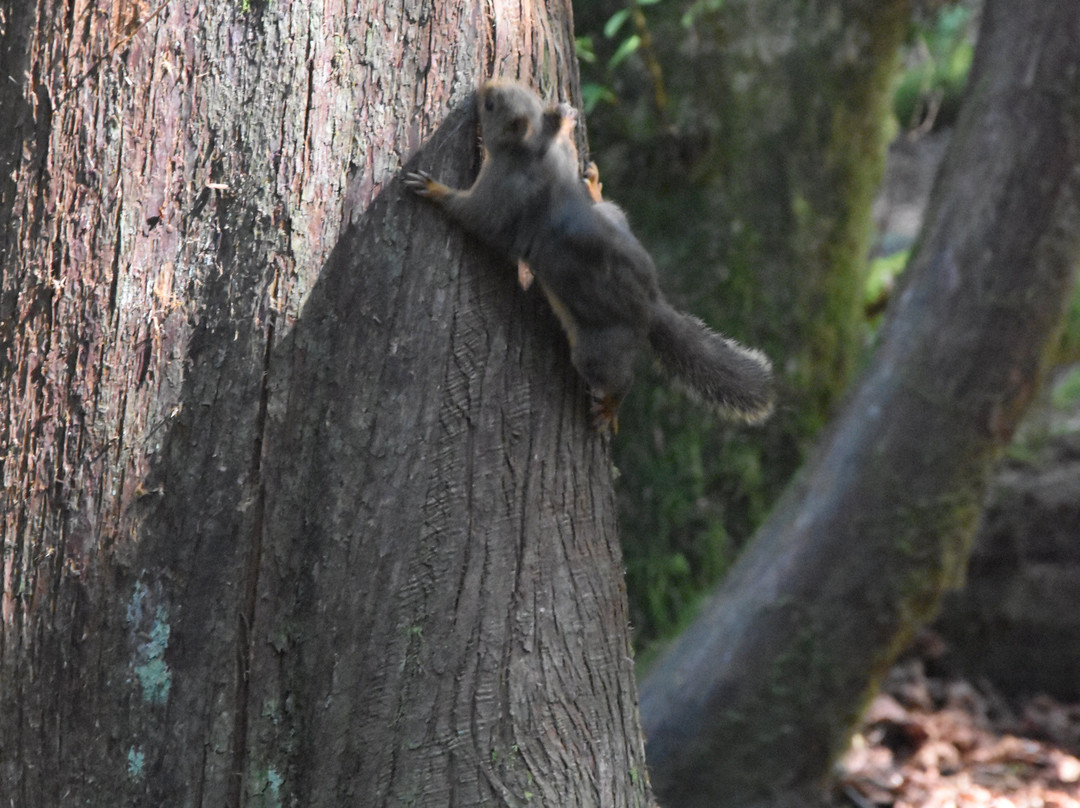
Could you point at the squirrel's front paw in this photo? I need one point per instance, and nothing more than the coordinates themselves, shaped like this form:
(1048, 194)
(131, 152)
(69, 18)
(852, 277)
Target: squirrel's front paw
(423, 184)
(525, 276)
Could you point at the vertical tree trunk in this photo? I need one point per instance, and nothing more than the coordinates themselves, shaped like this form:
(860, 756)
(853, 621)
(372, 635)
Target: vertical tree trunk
(300, 506)
(764, 687)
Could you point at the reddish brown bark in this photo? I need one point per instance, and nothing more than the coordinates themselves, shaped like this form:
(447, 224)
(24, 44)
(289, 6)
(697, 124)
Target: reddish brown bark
(299, 502)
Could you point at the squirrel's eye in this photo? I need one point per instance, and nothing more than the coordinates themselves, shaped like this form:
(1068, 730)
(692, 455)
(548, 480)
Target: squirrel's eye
(489, 103)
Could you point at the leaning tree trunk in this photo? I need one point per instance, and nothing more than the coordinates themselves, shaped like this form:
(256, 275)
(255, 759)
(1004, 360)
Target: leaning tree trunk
(300, 506)
(766, 685)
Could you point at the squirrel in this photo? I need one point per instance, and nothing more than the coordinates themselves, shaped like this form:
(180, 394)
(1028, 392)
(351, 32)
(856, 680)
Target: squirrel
(557, 123)
(530, 204)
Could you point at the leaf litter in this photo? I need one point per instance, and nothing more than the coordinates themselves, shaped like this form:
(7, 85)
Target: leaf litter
(926, 742)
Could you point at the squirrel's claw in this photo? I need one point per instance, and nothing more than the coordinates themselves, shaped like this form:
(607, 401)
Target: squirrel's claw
(423, 184)
(592, 182)
(525, 276)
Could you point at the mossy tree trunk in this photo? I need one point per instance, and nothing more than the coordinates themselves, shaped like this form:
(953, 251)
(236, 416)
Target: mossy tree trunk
(763, 689)
(771, 151)
(300, 504)
(753, 190)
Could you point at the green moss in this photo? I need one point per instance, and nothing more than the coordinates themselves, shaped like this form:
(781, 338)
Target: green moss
(882, 275)
(266, 788)
(1066, 392)
(754, 200)
(149, 620)
(931, 87)
(136, 764)
(1069, 344)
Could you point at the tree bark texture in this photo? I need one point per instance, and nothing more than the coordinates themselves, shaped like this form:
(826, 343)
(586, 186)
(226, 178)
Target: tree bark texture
(762, 690)
(300, 504)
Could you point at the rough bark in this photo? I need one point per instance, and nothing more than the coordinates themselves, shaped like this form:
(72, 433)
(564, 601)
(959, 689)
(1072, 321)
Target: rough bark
(762, 690)
(300, 506)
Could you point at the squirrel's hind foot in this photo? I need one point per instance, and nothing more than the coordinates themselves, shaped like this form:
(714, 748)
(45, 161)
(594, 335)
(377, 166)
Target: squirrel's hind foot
(604, 412)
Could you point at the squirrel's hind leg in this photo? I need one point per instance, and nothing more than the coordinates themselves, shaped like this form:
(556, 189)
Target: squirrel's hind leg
(605, 359)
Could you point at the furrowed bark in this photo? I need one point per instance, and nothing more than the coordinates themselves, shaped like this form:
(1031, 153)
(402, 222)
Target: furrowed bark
(300, 506)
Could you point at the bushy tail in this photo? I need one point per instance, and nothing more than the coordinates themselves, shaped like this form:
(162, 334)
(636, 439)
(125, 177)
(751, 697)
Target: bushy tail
(735, 379)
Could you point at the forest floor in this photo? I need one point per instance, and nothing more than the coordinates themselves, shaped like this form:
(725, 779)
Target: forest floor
(936, 743)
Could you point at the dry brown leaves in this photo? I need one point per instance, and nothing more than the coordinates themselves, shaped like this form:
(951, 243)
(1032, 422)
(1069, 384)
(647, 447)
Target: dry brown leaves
(933, 744)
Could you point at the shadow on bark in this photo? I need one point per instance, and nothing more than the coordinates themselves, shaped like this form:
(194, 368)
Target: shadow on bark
(385, 562)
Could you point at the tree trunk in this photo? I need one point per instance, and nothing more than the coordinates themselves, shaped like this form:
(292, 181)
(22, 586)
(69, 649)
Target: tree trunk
(763, 689)
(301, 507)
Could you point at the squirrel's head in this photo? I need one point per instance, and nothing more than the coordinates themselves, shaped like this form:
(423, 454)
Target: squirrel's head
(510, 113)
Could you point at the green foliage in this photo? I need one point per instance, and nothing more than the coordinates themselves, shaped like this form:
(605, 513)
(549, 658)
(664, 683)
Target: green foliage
(1066, 393)
(593, 94)
(583, 47)
(1069, 345)
(882, 276)
(615, 22)
(940, 50)
(626, 47)
(699, 9)
(696, 494)
(627, 31)
(1054, 414)
(630, 44)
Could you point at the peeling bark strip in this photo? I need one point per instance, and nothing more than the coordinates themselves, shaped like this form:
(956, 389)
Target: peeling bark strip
(365, 555)
(764, 687)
